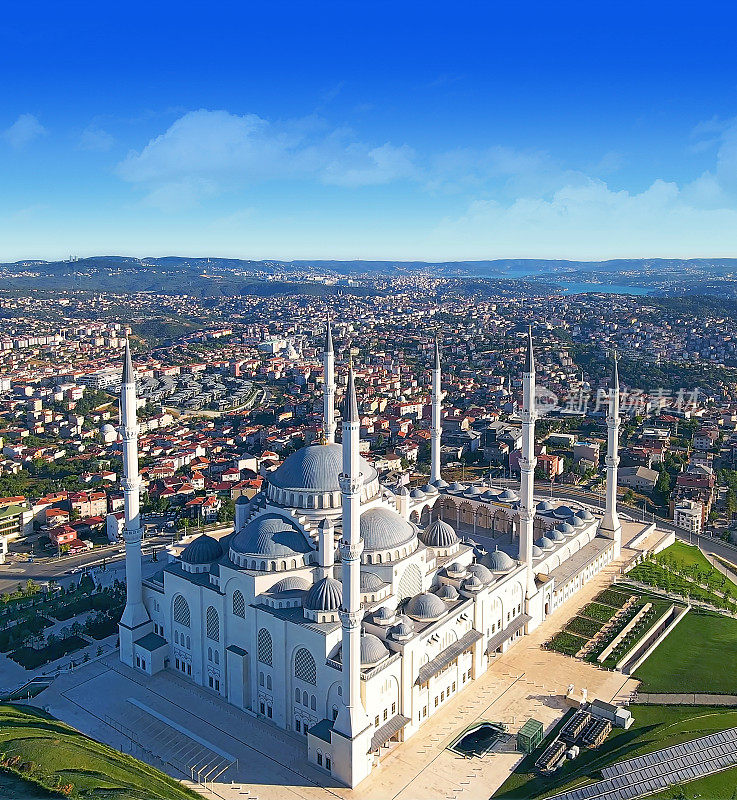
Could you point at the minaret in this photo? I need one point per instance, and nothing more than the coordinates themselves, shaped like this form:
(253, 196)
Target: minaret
(527, 466)
(325, 549)
(436, 425)
(610, 524)
(328, 361)
(135, 617)
(352, 719)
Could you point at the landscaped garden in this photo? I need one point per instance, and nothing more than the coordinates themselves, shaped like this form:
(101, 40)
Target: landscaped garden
(599, 612)
(566, 643)
(26, 613)
(654, 728)
(683, 570)
(699, 655)
(47, 754)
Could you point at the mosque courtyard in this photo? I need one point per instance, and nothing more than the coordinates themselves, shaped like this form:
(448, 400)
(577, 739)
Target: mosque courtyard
(187, 731)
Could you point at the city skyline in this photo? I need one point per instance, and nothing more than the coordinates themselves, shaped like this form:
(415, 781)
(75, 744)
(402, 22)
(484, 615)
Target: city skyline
(331, 133)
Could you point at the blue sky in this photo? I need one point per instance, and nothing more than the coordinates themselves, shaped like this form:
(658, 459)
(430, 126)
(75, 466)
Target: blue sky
(368, 130)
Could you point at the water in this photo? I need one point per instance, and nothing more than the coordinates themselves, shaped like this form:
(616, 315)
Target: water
(478, 741)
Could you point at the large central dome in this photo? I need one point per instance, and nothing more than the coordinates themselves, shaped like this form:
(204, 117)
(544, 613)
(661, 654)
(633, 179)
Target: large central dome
(315, 468)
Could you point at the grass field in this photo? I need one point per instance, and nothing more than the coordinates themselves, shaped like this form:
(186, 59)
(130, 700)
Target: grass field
(60, 755)
(689, 556)
(654, 727)
(700, 655)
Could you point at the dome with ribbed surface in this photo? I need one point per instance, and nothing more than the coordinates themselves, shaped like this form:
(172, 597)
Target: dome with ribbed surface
(555, 535)
(384, 529)
(473, 491)
(384, 616)
(428, 488)
(508, 496)
(404, 629)
(439, 534)
(472, 584)
(270, 535)
(373, 650)
(417, 494)
(456, 486)
(289, 584)
(315, 468)
(544, 506)
(370, 582)
(202, 550)
(425, 607)
(536, 551)
(544, 543)
(576, 521)
(481, 572)
(498, 561)
(325, 595)
(585, 514)
(448, 593)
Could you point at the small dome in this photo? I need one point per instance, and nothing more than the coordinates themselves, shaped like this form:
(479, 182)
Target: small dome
(384, 616)
(544, 506)
(473, 491)
(429, 489)
(481, 572)
(455, 570)
(441, 484)
(425, 607)
(404, 629)
(325, 595)
(202, 550)
(439, 534)
(370, 582)
(384, 529)
(536, 551)
(289, 584)
(508, 496)
(499, 561)
(563, 511)
(565, 528)
(576, 521)
(544, 543)
(473, 584)
(448, 593)
(555, 535)
(456, 487)
(270, 535)
(373, 650)
(417, 494)
(488, 495)
(585, 515)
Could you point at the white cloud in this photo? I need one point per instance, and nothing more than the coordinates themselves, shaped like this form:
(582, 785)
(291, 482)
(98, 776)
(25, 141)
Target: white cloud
(23, 131)
(593, 221)
(225, 151)
(96, 139)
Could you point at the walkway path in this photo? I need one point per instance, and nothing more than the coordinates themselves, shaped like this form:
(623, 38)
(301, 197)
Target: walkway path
(656, 699)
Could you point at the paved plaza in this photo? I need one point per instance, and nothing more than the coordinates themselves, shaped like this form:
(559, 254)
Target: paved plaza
(186, 730)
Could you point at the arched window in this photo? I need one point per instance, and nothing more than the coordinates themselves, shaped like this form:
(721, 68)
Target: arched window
(217, 657)
(209, 653)
(213, 625)
(305, 700)
(268, 677)
(176, 637)
(304, 666)
(313, 703)
(264, 647)
(239, 604)
(297, 696)
(181, 611)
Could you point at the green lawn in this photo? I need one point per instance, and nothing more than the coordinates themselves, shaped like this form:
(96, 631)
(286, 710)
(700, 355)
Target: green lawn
(654, 728)
(62, 755)
(687, 555)
(700, 655)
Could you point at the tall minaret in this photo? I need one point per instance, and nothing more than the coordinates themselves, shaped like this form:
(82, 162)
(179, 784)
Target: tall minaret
(352, 718)
(436, 425)
(328, 361)
(527, 466)
(610, 524)
(135, 617)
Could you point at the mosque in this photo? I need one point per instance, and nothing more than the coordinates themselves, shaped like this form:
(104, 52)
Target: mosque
(349, 613)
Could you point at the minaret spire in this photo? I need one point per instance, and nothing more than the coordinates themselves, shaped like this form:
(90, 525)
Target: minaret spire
(436, 424)
(328, 360)
(135, 621)
(527, 466)
(352, 719)
(610, 524)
